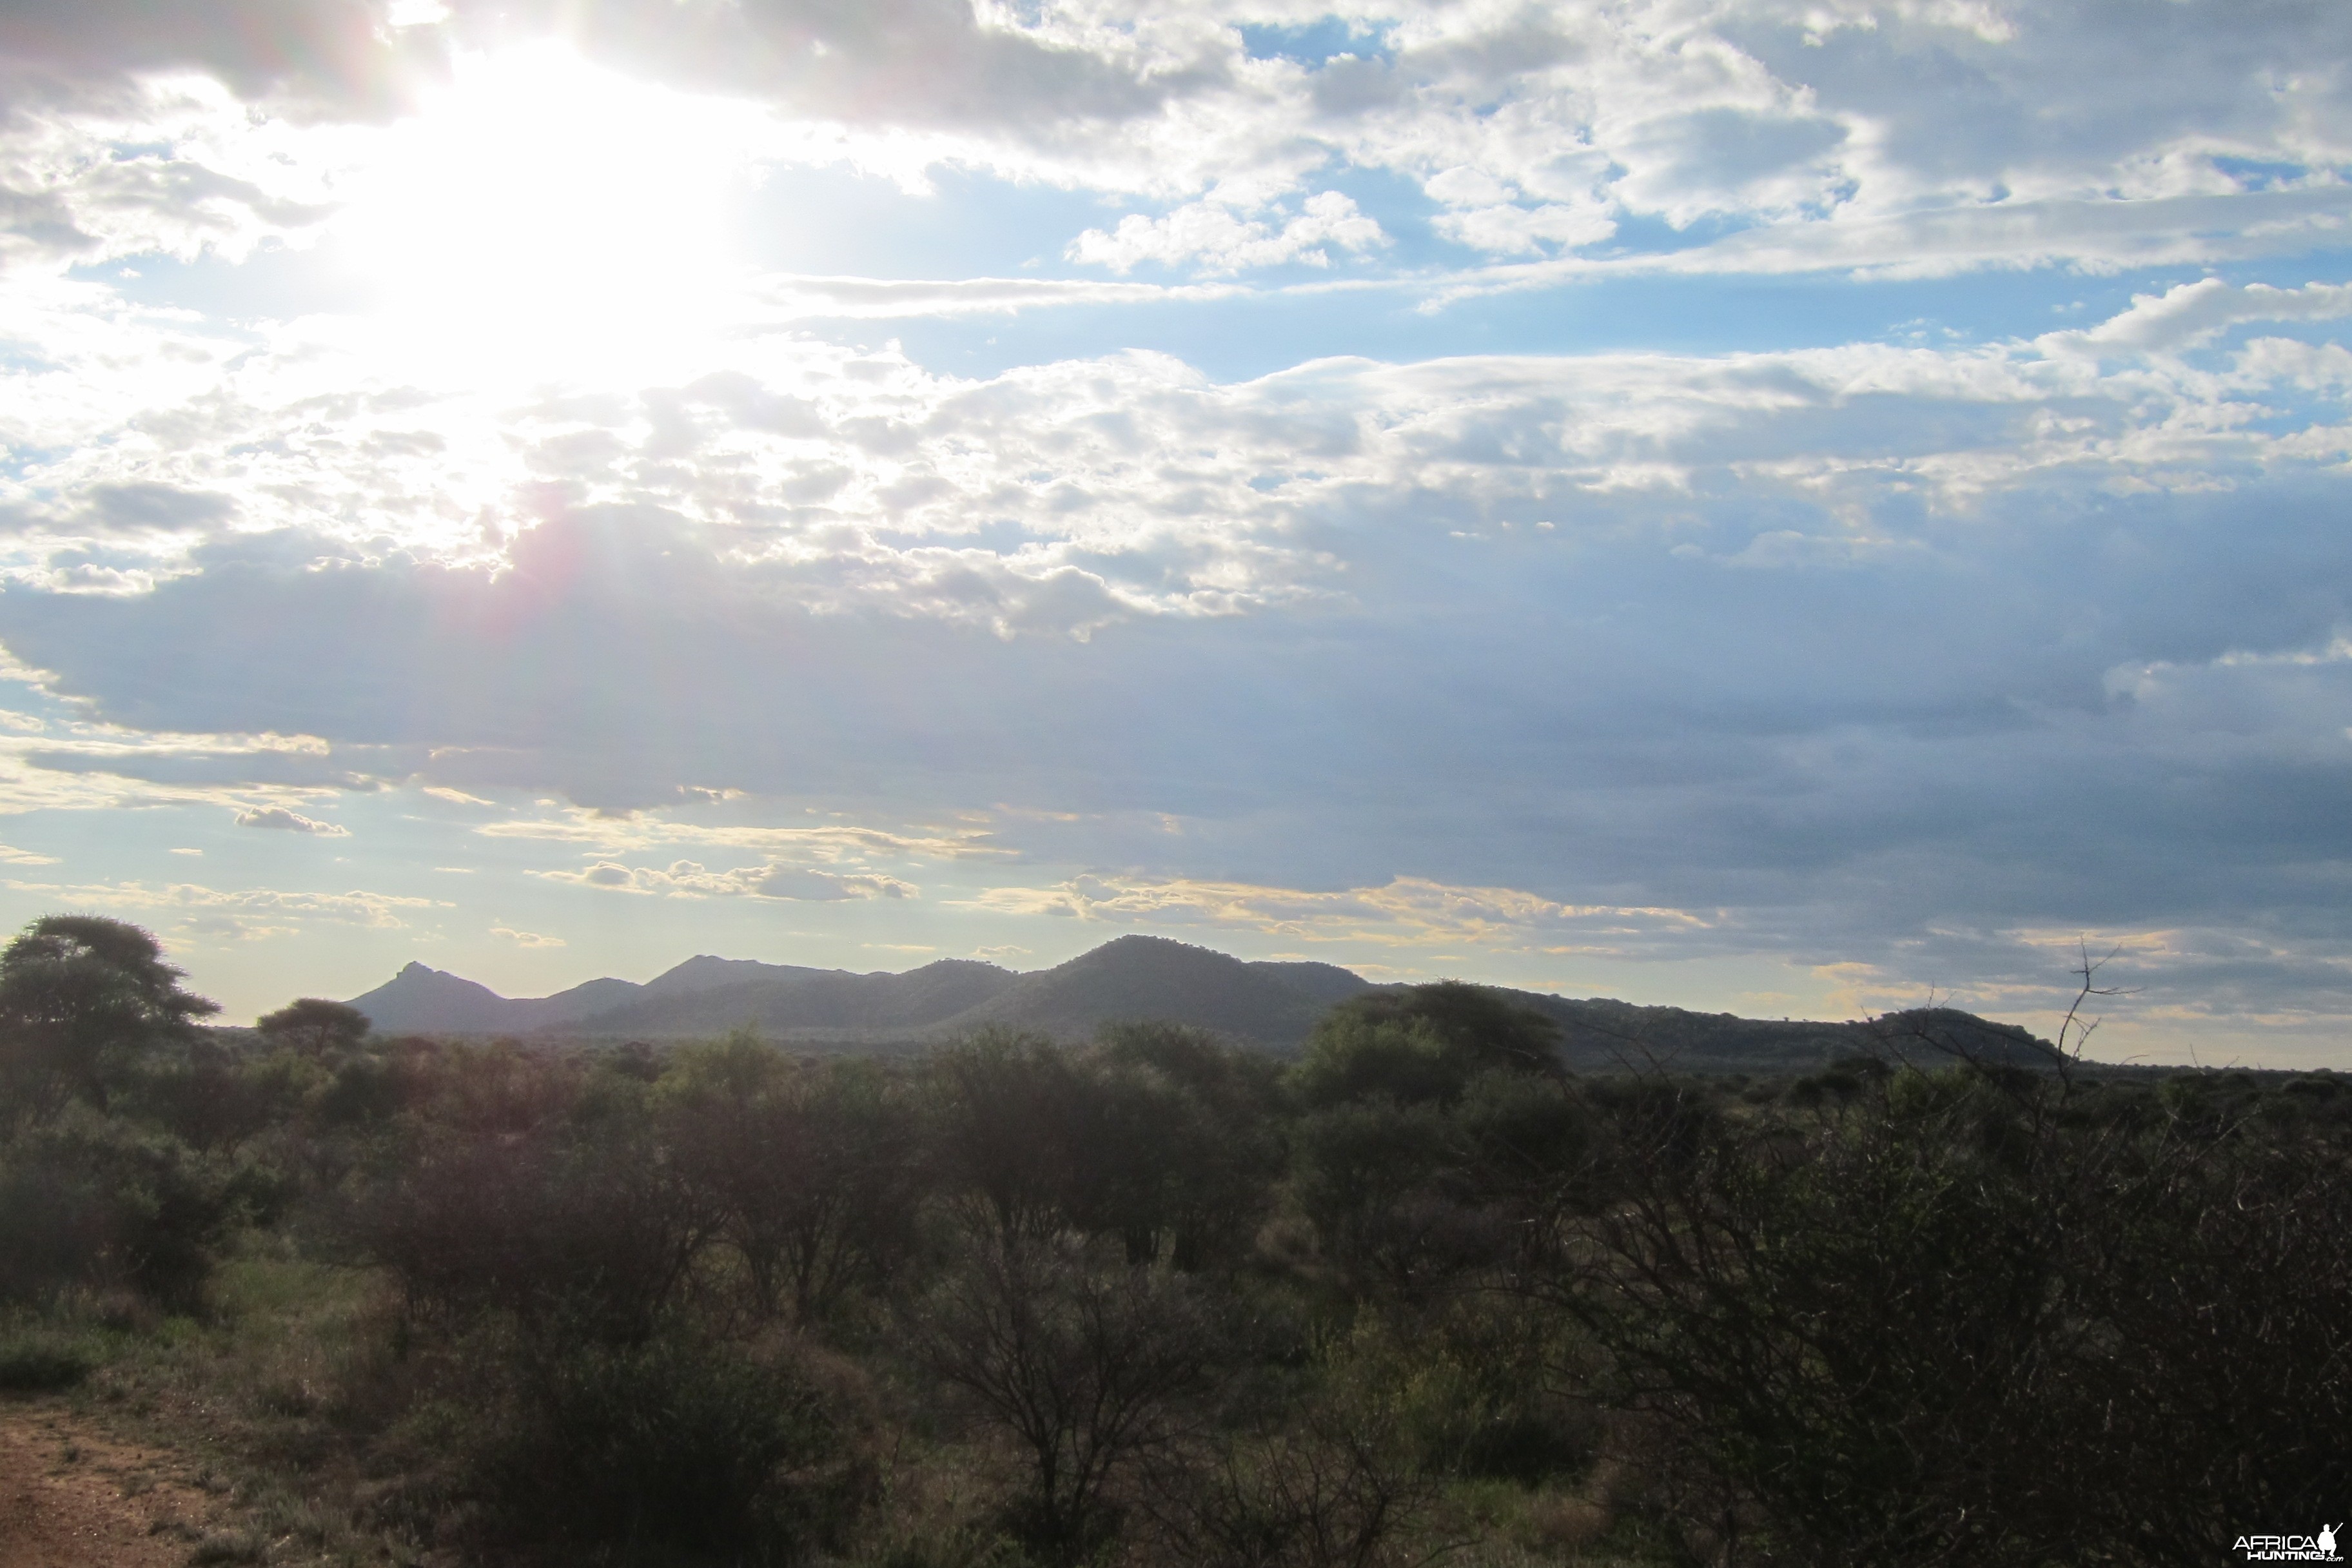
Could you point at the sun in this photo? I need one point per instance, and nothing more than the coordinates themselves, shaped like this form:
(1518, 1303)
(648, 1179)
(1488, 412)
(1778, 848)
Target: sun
(542, 216)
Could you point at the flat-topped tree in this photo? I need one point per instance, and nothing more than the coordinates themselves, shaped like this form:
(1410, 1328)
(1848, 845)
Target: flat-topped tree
(83, 1000)
(313, 1027)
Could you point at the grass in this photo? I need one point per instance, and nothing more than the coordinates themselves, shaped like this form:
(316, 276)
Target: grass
(270, 1397)
(333, 1448)
(39, 1359)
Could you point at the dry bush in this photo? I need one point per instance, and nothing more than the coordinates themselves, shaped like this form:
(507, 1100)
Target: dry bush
(1332, 1490)
(599, 1234)
(1087, 1366)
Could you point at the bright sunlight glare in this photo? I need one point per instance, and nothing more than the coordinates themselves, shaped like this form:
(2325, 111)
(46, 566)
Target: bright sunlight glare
(542, 218)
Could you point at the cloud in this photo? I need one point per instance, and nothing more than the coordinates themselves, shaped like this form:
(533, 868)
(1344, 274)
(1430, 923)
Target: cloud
(1927, 500)
(526, 938)
(782, 297)
(334, 52)
(800, 882)
(690, 879)
(153, 506)
(2190, 315)
(1216, 238)
(1824, 136)
(96, 166)
(1508, 229)
(1407, 911)
(246, 906)
(74, 764)
(621, 833)
(284, 821)
(909, 63)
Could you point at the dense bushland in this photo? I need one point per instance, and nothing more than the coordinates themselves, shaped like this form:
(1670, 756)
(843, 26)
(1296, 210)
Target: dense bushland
(1419, 1295)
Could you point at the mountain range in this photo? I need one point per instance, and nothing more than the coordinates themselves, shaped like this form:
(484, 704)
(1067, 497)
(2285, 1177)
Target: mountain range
(1273, 1005)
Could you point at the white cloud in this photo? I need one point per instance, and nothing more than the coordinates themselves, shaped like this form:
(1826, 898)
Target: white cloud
(828, 842)
(382, 911)
(1213, 236)
(1407, 911)
(284, 821)
(2189, 315)
(1504, 229)
(1110, 489)
(2070, 132)
(525, 937)
(691, 880)
(784, 299)
(171, 165)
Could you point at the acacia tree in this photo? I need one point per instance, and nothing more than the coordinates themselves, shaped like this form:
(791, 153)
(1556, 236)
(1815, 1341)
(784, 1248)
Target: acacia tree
(83, 1001)
(313, 1027)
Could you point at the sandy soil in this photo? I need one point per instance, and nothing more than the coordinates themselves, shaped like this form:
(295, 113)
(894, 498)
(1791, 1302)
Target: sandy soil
(71, 1496)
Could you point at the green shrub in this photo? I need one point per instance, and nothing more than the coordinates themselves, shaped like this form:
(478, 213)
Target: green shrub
(680, 1445)
(35, 1359)
(92, 1203)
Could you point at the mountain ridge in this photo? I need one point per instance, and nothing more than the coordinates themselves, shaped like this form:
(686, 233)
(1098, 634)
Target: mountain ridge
(1272, 1003)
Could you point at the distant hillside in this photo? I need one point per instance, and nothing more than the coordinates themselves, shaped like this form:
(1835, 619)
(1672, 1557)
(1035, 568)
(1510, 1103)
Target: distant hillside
(1274, 1005)
(421, 1001)
(1149, 977)
(704, 996)
(831, 1000)
(1133, 977)
(1598, 1034)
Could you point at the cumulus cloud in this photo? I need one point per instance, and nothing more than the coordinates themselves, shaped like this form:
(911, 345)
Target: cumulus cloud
(1068, 497)
(1510, 229)
(1823, 135)
(1218, 239)
(525, 937)
(170, 165)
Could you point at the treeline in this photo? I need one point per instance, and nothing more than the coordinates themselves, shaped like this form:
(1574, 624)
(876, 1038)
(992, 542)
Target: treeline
(1419, 1295)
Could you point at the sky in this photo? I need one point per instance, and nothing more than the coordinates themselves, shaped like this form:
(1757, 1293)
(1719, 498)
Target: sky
(1789, 507)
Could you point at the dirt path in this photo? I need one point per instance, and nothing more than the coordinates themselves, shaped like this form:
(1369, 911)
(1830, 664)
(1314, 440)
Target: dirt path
(71, 1496)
